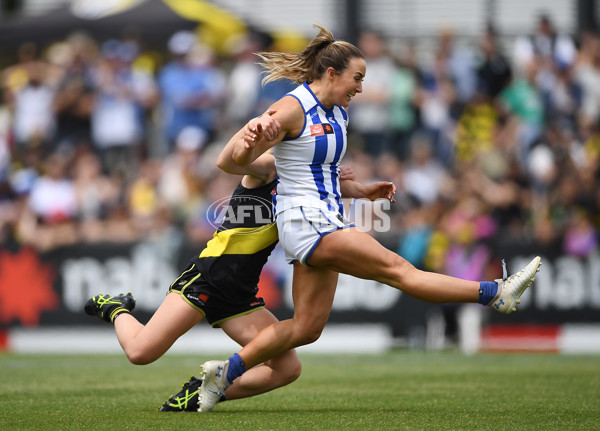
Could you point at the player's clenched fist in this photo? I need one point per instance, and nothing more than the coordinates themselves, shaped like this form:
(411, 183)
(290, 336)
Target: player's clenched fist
(264, 126)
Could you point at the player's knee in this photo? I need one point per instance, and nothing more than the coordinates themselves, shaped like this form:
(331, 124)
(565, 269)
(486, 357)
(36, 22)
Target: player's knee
(287, 368)
(309, 335)
(297, 370)
(307, 327)
(292, 375)
(293, 370)
(138, 359)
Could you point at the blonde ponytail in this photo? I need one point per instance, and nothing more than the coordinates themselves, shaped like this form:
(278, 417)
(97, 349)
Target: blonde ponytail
(320, 54)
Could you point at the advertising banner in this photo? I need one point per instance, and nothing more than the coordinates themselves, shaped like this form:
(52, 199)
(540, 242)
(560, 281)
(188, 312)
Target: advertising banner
(50, 289)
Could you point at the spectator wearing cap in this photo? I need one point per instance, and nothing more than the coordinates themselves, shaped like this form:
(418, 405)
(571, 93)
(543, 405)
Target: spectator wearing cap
(117, 120)
(192, 88)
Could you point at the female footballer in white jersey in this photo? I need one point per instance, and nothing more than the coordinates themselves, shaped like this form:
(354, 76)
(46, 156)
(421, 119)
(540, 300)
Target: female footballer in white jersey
(220, 286)
(307, 135)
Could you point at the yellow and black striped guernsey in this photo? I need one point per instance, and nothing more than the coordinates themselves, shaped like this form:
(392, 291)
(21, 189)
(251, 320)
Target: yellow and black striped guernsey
(234, 257)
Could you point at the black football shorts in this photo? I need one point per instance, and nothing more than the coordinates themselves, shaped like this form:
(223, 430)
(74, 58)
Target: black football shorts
(209, 300)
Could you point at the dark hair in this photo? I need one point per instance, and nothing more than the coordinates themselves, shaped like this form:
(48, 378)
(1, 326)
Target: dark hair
(321, 53)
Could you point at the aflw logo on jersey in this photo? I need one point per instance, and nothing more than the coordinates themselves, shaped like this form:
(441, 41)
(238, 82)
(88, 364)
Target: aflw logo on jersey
(321, 129)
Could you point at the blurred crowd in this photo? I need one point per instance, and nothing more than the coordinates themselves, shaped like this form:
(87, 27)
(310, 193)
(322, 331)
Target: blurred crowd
(489, 143)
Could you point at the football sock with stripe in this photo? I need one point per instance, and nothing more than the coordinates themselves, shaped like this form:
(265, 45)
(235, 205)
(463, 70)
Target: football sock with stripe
(236, 368)
(487, 291)
(117, 312)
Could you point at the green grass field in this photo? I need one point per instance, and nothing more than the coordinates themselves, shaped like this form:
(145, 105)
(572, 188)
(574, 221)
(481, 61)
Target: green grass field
(394, 391)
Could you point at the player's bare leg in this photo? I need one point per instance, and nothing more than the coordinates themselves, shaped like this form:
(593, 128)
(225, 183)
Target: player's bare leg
(312, 305)
(277, 372)
(274, 373)
(353, 252)
(144, 344)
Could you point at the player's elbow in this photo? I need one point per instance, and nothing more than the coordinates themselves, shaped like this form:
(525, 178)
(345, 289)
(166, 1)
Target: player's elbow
(224, 164)
(238, 160)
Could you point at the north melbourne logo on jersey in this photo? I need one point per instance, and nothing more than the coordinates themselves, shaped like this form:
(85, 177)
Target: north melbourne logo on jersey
(321, 129)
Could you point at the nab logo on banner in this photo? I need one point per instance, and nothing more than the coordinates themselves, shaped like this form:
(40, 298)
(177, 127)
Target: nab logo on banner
(321, 129)
(25, 287)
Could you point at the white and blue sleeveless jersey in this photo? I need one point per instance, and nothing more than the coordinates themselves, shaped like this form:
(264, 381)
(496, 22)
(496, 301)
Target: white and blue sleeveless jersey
(308, 164)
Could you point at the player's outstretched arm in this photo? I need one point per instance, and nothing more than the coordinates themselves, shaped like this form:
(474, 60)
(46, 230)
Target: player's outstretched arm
(376, 190)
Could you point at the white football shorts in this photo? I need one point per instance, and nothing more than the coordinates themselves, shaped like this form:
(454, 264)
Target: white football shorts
(301, 228)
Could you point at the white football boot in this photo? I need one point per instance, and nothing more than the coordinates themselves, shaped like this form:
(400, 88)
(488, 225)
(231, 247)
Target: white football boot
(511, 288)
(214, 383)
